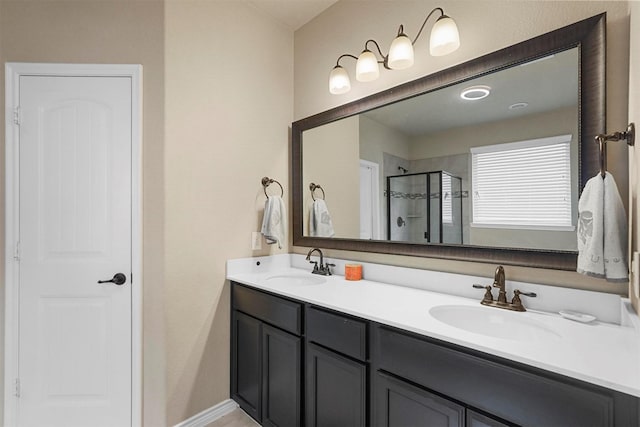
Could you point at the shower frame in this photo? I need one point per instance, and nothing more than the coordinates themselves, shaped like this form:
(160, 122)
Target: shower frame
(428, 202)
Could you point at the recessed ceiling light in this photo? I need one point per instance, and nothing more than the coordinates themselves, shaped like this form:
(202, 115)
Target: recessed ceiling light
(473, 93)
(518, 106)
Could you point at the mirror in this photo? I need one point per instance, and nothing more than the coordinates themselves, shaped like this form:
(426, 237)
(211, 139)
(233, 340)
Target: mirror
(410, 170)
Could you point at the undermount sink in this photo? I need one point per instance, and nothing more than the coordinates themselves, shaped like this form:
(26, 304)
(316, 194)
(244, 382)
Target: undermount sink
(493, 322)
(296, 279)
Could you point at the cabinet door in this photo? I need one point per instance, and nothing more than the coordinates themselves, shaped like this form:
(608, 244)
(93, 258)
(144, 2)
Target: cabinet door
(336, 389)
(246, 372)
(475, 419)
(281, 383)
(400, 404)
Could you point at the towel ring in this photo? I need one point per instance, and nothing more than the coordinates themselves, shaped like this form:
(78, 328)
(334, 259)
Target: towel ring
(313, 187)
(629, 135)
(266, 181)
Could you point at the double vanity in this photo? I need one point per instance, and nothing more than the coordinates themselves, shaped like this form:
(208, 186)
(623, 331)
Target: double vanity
(410, 347)
(320, 350)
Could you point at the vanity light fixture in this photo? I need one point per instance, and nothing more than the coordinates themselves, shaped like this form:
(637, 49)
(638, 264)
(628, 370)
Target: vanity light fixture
(474, 93)
(444, 40)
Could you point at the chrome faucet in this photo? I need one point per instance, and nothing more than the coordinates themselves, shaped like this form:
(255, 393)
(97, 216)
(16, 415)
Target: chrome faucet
(499, 282)
(321, 268)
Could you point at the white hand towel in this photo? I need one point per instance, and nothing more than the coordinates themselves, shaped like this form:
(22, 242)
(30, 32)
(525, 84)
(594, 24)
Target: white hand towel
(602, 231)
(274, 221)
(591, 228)
(615, 233)
(320, 221)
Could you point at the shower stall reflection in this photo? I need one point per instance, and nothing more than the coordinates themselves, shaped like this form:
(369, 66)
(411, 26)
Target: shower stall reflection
(424, 208)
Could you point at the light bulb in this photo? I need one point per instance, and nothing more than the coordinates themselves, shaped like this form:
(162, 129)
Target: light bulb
(339, 82)
(444, 37)
(400, 53)
(367, 67)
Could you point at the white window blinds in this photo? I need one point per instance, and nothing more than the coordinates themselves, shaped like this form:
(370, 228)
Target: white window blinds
(447, 202)
(523, 184)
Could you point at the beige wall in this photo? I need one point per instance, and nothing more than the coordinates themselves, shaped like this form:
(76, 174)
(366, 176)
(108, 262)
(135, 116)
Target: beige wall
(375, 140)
(332, 160)
(634, 116)
(229, 94)
(2, 217)
(129, 32)
(485, 26)
(460, 140)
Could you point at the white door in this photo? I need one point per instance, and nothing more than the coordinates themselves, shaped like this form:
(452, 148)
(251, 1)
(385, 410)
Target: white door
(369, 205)
(75, 213)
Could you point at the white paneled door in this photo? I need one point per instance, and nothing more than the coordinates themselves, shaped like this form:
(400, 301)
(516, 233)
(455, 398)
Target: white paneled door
(75, 229)
(369, 200)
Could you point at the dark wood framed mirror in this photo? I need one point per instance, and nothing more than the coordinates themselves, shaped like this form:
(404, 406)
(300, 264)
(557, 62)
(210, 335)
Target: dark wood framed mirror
(587, 37)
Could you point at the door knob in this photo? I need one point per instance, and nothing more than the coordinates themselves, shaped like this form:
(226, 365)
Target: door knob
(118, 279)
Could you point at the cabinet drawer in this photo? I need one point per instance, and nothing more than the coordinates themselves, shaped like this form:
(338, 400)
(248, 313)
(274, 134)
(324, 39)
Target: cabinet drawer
(277, 311)
(341, 333)
(513, 394)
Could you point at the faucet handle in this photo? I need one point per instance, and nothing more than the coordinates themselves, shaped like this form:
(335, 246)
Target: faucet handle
(315, 266)
(517, 302)
(327, 265)
(526, 294)
(488, 296)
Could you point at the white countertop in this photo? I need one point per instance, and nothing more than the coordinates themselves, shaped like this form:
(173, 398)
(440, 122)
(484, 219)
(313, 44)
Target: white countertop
(601, 353)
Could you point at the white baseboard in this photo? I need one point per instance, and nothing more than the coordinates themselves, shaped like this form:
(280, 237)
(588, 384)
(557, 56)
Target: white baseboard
(209, 415)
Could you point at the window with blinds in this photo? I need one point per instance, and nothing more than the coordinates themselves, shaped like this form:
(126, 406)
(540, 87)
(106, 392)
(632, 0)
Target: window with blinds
(525, 184)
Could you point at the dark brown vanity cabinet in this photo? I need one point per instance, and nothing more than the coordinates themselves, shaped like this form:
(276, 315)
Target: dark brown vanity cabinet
(412, 369)
(336, 363)
(293, 364)
(266, 356)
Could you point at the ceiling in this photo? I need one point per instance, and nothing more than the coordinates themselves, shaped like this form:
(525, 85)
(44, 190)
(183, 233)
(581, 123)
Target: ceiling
(293, 13)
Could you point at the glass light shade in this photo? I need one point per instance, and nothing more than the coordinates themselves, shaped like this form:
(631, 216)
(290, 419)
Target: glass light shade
(400, 53)
(444, 37)
(339, 81)
(367, 67)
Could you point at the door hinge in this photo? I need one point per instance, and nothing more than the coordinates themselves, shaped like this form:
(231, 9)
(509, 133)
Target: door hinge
(16, 255)
(16, 115)
(17, 394)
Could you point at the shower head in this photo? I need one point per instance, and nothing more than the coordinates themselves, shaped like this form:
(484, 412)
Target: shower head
(403, 170)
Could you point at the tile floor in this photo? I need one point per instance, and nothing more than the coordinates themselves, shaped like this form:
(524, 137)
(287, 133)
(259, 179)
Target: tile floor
(236, 418)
